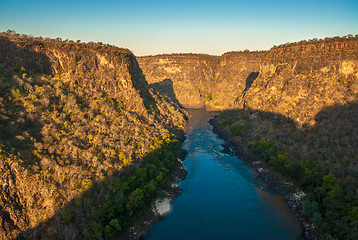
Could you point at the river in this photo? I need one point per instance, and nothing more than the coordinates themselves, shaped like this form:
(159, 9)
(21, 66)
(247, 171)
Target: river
(220, 197)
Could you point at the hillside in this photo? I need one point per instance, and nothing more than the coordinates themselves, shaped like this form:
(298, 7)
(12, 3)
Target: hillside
(72, 116)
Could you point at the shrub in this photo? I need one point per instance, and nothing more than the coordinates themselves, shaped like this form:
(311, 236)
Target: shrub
(66, 215)
(239, 129)
(96, 229)
(209, 97)
(226, 122)
(264, 150)
(115, 224)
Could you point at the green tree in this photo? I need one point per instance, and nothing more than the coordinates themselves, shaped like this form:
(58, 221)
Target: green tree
(317, 219)
(310, 207)
(209, 97)
(66, 215)
(136, 197)
(96, 229)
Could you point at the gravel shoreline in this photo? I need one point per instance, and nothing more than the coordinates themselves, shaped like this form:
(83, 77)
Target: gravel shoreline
(274, 181)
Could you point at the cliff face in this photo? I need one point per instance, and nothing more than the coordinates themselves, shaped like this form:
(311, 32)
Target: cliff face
(191, 76)
(296, 81)
(71, 116)
(300, 81)
(95, 66)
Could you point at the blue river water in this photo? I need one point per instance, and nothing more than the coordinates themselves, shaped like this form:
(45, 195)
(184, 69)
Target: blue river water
(220, 197)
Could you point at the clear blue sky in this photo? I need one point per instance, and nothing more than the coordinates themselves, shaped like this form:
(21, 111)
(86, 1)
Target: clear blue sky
(203, 26)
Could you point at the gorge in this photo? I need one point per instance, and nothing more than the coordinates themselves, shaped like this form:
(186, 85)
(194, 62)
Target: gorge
(221, 197)
(294, 107)
(90, 134)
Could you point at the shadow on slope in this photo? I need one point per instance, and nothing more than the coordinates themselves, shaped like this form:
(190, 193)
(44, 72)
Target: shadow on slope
(249, 80)
(141, 85)
(331, 140)
(19, 128)
(165, 88)
(13, 57)
(15, 62)
(110, 206)
(308, 156)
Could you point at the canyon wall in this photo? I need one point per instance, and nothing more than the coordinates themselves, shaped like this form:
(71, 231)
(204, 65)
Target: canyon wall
(191, 76)
(295, 80)
(72, 115)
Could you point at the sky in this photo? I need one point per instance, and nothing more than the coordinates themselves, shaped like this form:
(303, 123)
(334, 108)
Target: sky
(197, 26)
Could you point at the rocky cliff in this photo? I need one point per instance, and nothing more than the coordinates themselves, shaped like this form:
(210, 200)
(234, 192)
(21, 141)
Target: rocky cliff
(191, 76)
(72, 115)
(296, 80)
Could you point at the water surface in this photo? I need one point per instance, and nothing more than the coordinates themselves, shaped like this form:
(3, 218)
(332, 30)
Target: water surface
(220, 198)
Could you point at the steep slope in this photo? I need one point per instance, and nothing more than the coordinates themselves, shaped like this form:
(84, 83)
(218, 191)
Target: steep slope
(72, 115)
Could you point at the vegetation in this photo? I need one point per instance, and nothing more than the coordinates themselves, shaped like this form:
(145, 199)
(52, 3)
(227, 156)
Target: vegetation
(331, 203)
(348, 37)
(209, 97)
(135, 190)
(306, 157)
(239, 129)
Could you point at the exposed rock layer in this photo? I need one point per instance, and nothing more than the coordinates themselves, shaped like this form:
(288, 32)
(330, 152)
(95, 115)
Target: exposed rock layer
(296, 81)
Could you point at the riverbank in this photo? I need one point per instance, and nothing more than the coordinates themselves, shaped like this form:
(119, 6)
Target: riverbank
(272, 180)
(151, 215)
